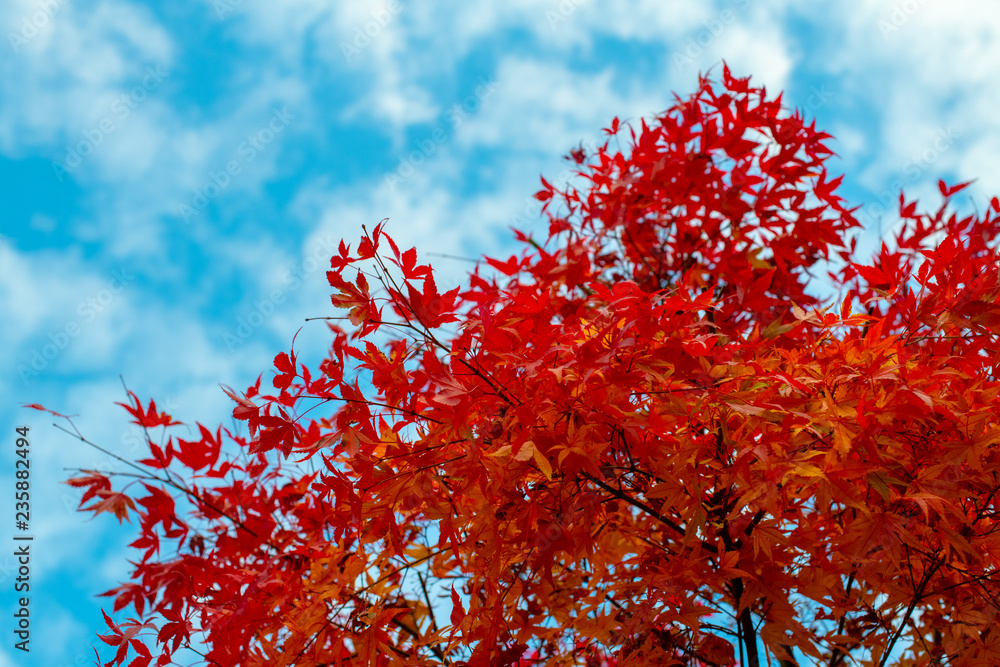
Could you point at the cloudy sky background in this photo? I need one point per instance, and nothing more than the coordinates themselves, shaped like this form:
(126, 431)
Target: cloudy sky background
(176, 176)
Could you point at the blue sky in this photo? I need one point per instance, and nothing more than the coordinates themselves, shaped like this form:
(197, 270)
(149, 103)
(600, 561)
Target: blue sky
(176, 175)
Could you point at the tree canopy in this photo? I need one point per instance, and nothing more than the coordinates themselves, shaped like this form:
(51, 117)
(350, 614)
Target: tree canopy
(645, 439)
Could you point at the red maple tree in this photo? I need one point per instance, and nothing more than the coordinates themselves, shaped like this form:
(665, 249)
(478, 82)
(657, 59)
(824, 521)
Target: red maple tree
(641, 442)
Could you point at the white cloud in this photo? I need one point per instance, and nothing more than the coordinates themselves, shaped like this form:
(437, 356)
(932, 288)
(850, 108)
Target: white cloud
(93, 92)
(850, 142)
(421, 215)
(79, 59)
(393, 101)
(369, 37)
(925, 69)
(281, 27)
(758, 50)
(546, 109)
(48, 291)
(556, 24)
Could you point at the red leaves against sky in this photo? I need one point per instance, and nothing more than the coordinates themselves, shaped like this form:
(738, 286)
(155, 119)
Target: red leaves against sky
(642, 442)
(148, 418)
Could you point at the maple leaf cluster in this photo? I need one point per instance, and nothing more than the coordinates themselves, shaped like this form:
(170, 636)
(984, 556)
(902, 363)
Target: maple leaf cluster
(641, 442)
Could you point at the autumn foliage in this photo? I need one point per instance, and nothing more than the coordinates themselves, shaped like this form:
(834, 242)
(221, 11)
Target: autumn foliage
(643, 440)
